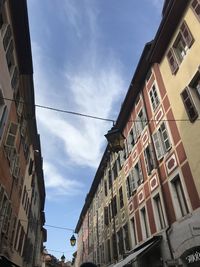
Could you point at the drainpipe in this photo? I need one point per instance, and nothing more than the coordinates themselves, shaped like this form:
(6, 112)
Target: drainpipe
(160, 181)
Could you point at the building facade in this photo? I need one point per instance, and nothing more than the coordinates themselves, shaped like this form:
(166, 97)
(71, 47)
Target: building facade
(143, 207)
(21, 174)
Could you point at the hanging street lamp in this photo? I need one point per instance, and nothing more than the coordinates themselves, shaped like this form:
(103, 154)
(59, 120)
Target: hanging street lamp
(73, 241)
(115, 139)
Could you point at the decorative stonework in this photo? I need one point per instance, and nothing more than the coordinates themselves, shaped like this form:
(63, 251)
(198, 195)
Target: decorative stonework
(141, 196)
(126, 168)
(171, 163)
(130, 207)
(123, 216)
(116, 222)
(134, 155)
(145, 138)
(159, 115)
(154, 182)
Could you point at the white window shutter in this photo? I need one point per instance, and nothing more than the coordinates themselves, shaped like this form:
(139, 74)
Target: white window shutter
(11, 136)
(134, 133)
(158, 145)
(133, 180)
(140, 172)
(146, 161)
(128, 186)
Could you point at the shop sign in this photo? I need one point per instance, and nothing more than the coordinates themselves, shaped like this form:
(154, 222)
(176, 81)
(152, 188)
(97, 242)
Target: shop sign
(192, 256)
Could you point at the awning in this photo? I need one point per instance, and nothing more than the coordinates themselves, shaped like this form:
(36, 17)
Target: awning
(4, 262)
(137, 252)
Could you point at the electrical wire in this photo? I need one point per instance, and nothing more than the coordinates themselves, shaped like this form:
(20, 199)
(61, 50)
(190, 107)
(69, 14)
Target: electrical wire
(91, 116)
(51, 226)
(61, 110)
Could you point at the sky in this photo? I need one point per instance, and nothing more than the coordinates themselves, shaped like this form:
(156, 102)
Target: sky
(84, 55)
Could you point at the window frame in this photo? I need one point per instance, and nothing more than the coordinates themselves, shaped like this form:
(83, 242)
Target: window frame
(189, 104)
(194, 8)
(179, 201)
(174, 58)
(159, 212)
(154, 100)
(160, 138)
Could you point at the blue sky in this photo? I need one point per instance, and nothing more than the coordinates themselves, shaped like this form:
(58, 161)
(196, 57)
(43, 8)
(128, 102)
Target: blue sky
(84, 54)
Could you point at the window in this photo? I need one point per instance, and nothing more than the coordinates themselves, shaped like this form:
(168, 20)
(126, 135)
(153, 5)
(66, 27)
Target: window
(137, 173)
(109, 179)
(154, 97)
(106, 222)
(121, 200)
(114, 206)
(130, 185)
(145, 230)
(114, 243)
(133, 230)
(161, 141)
(120, 241)
(30, 168)
(149, 159)
(141, 121)
(3, 113)
(10, 57)
(108, 250)
(132, 138)
(189, 104)
(105, 188)
(21, 241)
(196, 7)
(179, 197)
(126, 237)
(160, 219)
(182, 43)
(7, 37)
(11, 135)
(114, 170)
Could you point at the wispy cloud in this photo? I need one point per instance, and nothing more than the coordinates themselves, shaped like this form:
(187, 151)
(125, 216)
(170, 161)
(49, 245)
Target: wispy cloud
(58, 185)
(91, 87)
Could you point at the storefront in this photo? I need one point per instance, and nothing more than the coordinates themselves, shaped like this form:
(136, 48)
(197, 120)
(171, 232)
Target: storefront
(145, 255)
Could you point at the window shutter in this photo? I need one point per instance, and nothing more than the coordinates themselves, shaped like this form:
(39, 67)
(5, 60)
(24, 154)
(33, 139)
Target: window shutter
(128, 187)
(172, 61)
(158, 145)
(1, 196)
(133, 181)
(144, 117)
(140, 172)
(196, 7)
(106, 215)
(3, 120)
(126, 148)
(129, 141)
(138, 125)
(146, 161)
(189, 105)
(165, 136)
(12, 132)
(16, 170)
(7, 37)
(187, 34)
(134, 133)
(7, 218)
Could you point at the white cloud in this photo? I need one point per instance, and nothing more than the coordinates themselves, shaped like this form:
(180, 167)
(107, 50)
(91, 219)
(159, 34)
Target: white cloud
(92, 87)
(59, 185)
